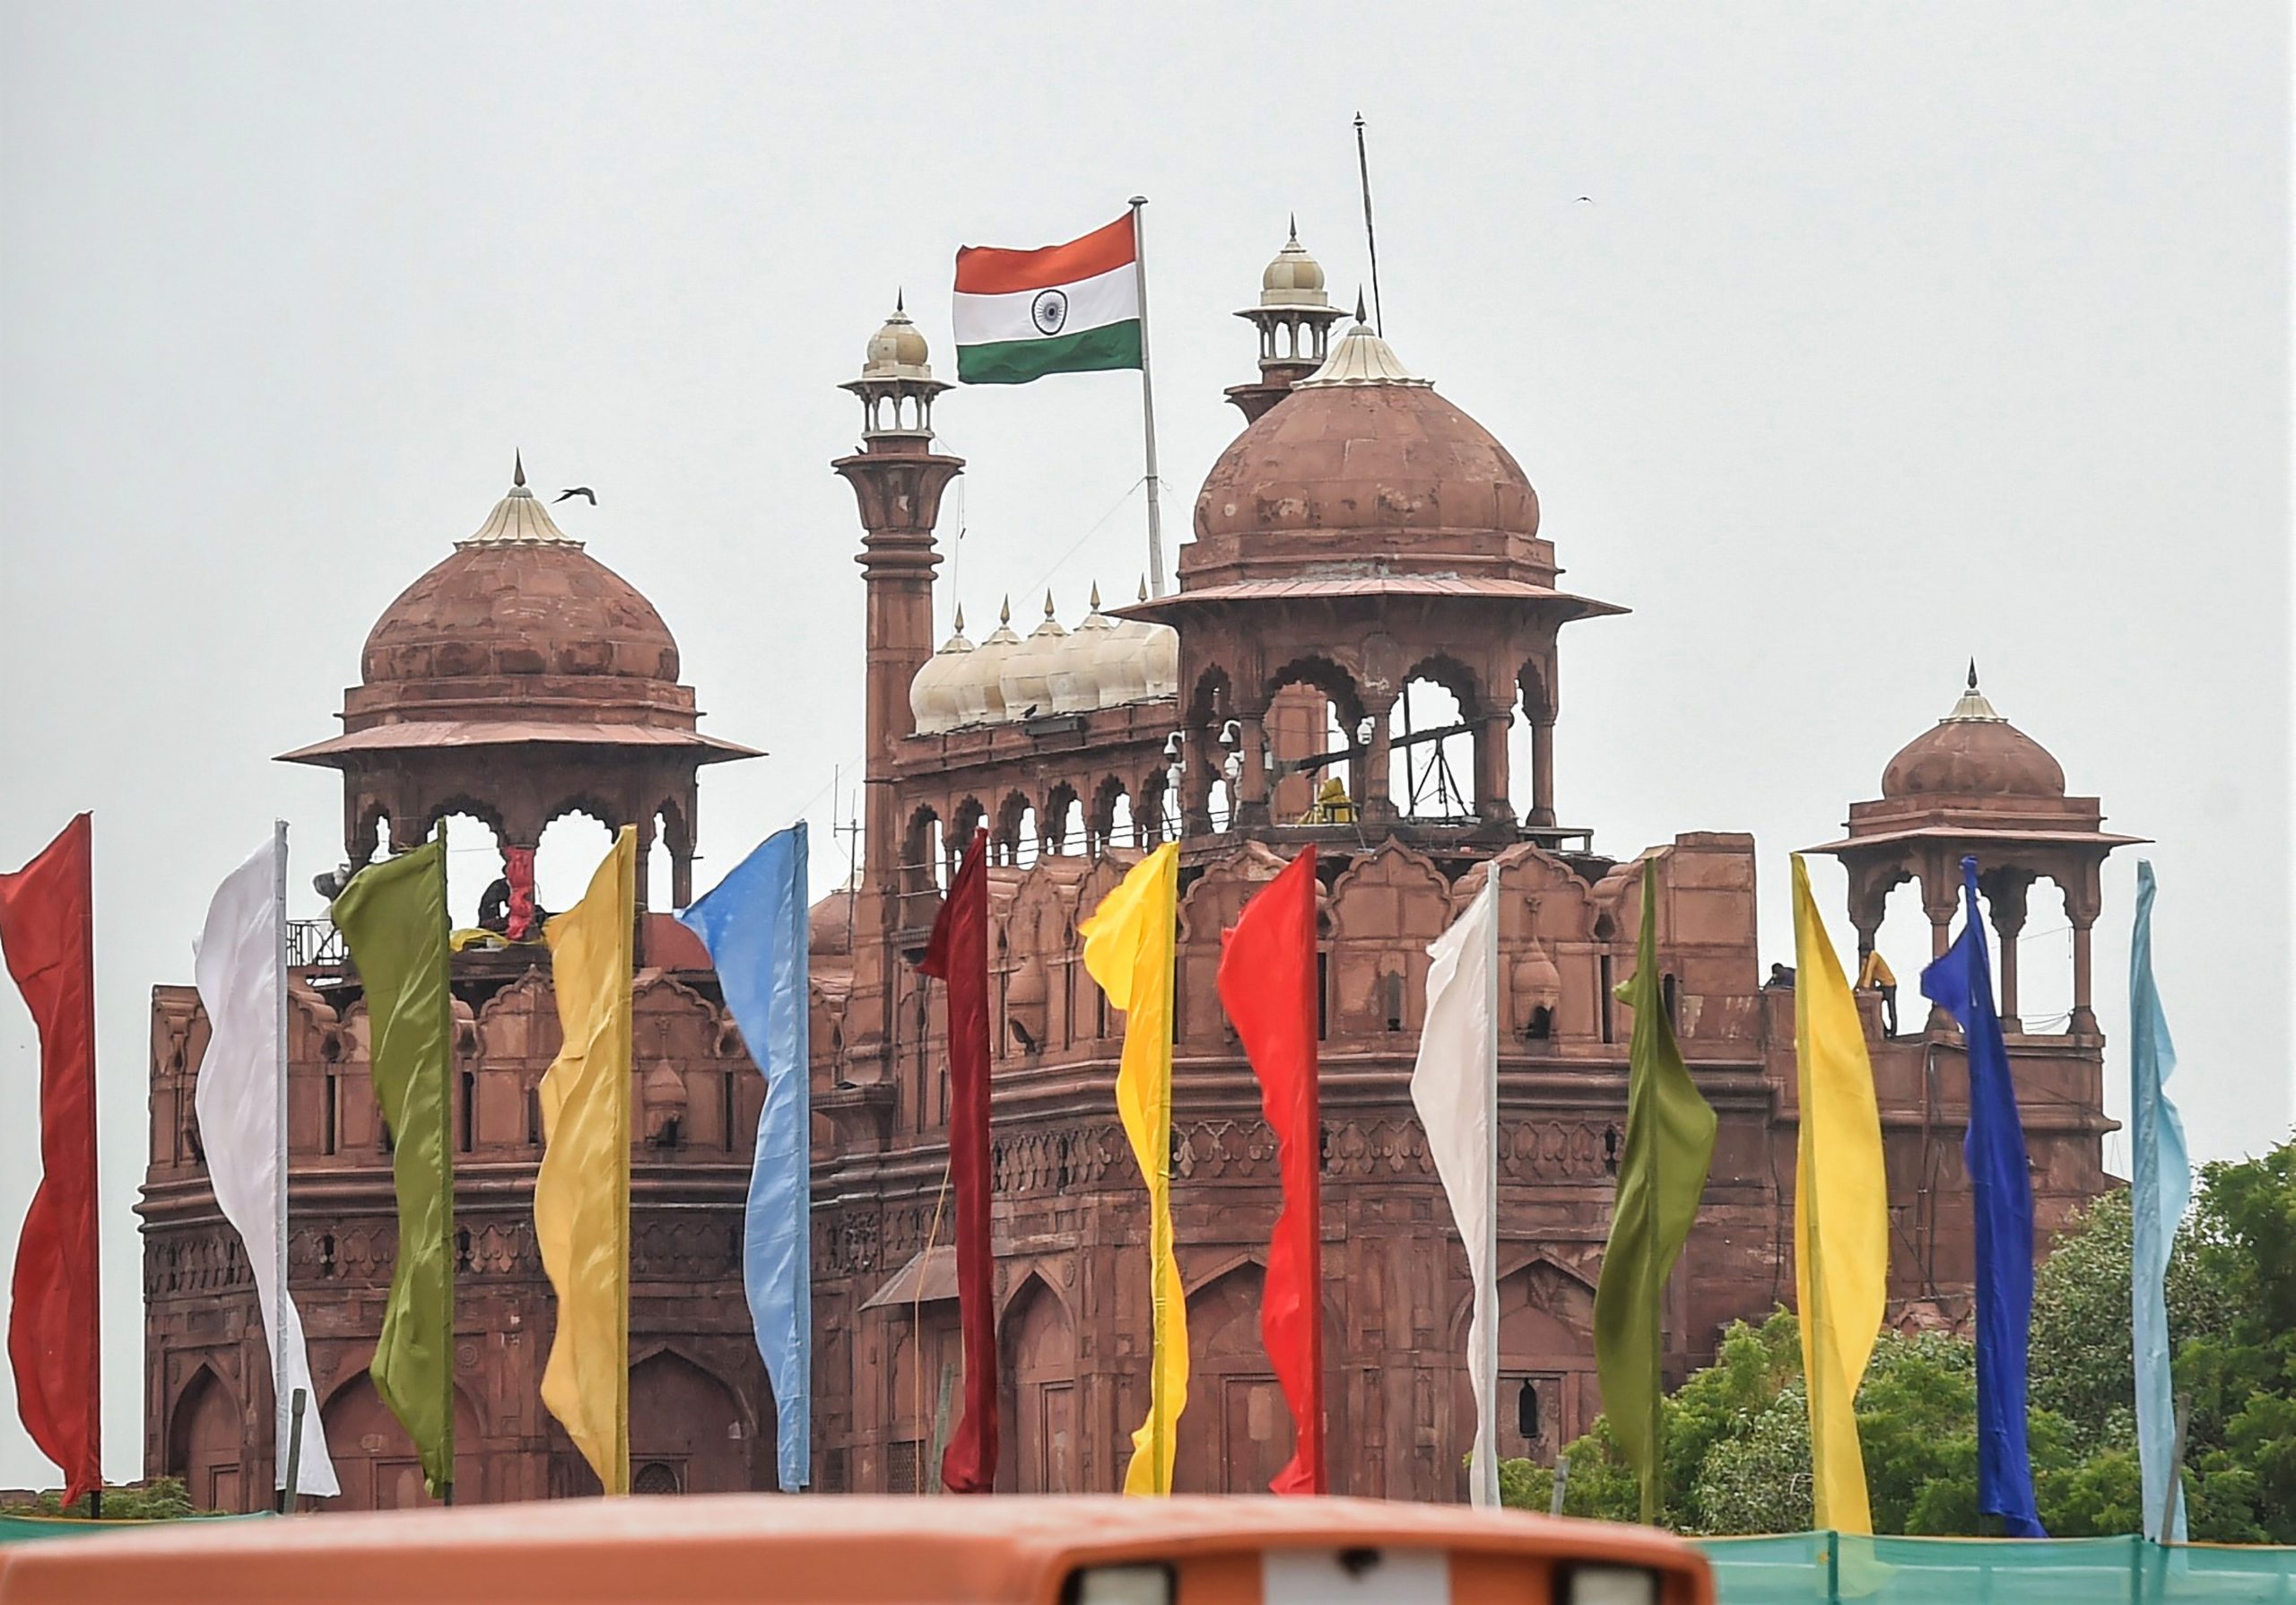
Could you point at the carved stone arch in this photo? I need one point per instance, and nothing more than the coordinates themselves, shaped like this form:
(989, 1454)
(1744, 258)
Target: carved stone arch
(374, 1459)
(1546, 1316)
(922, 867)
(964, 819)
(205, 1442)
(1212, 697)
(588, 804)
(1393, 870)
(1099, 818)
(1052, 821)
(1453, 675)
(1216, 898)
(690, 1430)
(1386, 906)
(1325, 674)
(1036, 1340)
(1242, 1425)
(1195, 1279)
(460, 802)
(1005, 835)
(371, 814)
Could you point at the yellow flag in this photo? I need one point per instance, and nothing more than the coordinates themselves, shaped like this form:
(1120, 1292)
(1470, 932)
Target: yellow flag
(1841, 1219)
(1128, 950)
(582, 1191)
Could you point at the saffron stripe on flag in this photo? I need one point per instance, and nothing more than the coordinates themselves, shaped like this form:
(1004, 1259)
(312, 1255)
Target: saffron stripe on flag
(1017, 362)
(990, 270)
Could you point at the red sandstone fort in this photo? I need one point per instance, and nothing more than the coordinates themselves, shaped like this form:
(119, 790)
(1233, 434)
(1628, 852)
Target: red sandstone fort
(1361, 536)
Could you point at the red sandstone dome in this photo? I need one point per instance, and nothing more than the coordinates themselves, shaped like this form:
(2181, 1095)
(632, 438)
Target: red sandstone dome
(1364, 446)
(518, 598)
(1973, 752)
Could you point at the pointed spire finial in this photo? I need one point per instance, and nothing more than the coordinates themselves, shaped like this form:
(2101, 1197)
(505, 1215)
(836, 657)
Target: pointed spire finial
(1047, 602)
(1295, 228)
(1143, 587)
(1972, 673)
(1004, 616)
(1096, 595)
(1360, 317)
(517, 468)
(900, 296)
(960, 618)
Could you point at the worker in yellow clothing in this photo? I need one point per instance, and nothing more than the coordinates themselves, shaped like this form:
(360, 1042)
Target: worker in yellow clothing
(1874, 975)
(1332, 805)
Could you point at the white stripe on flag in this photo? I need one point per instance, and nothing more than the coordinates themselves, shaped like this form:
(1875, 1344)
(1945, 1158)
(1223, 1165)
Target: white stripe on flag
(1106, 298)
(236, 963)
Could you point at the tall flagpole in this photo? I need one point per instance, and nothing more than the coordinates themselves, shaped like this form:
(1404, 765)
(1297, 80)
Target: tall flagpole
(1487, 1476)
(1148, 402)
(1370, 239)
(284, 1435)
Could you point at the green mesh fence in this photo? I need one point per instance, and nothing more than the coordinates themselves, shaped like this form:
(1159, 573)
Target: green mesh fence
(16, 1529)
(1803, 1567)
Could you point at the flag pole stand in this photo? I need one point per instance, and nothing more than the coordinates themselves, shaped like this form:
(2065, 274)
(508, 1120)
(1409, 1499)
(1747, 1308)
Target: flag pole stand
(1148, 402)
(294, 1454)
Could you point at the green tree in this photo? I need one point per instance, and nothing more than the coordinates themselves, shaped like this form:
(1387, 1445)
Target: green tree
(1737, 1433)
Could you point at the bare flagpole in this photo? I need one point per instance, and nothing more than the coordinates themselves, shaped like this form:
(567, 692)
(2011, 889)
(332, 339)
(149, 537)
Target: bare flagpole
(285, 1433)
(1148, 401)
(1371, 240)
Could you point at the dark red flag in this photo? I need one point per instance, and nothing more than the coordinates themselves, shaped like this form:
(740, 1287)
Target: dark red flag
(1268, 984)
(47, 932)
(958, 955)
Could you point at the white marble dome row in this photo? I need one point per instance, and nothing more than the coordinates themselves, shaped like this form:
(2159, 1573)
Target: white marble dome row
(1102, 663)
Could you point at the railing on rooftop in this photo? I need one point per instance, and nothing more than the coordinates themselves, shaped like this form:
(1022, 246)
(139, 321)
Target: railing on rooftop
(315, 942)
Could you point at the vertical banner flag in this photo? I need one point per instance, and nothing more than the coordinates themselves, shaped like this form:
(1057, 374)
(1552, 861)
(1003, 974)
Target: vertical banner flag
(957, 955)
(1066, 309)
(1128, 950)
(1841, 1214)
(1267, 984)
(393, 916)
(48, 933)
(754, 924)
(2160, 1187)
(1993, 1154)
(582, 1190)
(1662, 1169)
(1455, 1088)
(238, 1097)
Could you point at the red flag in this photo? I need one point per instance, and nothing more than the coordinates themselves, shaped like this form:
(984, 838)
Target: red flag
(1268, 984)
(958, 954)
(48, 930)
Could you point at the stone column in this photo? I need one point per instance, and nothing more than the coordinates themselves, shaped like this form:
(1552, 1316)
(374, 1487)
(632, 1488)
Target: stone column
(1198, 774)
(1940, 932)
(2084, 1017)
(1492, 806)
(1542, 769)
(1376, 805)
(1251, 787)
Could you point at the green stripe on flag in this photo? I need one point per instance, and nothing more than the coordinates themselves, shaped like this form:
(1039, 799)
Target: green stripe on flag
(1017, 362)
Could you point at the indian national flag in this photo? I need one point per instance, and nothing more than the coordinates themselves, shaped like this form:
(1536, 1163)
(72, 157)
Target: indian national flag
(1066, 309)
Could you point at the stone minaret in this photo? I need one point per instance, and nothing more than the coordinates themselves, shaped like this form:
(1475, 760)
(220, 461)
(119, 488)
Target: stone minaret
(897, 480)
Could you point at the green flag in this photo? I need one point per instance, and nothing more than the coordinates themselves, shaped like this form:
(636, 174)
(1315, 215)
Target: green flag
(1661, 1173)
(394, 917)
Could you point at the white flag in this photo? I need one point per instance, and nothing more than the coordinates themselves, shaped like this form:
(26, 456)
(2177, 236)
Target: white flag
(1455, 1088)
(237, 961)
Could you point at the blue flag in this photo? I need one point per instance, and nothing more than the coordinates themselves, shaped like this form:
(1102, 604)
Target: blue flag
(2158, 1190)
(754, 924)
(1994, 1155)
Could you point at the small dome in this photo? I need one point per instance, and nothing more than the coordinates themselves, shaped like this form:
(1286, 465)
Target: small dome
(1973, 752)
(1363, 446)
(1078, 676)
(1144, 662)
(937, 698)
(1294, 279)
(828, 924)
(983, 686)
(1028, 674)
(897, 351)
(519, 599)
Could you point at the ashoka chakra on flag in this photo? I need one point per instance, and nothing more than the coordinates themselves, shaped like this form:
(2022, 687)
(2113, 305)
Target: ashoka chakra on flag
(1066, 309)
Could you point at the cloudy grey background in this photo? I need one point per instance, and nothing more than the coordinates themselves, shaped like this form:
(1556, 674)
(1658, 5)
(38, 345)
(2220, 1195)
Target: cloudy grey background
(1890, 336)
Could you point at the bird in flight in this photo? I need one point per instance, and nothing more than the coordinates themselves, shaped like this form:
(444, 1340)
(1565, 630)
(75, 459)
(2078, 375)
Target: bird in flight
(1588, 200)
(579, 490)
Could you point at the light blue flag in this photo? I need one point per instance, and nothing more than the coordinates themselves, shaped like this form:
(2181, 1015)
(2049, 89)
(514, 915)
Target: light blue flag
(2157, 1194)
(754, 924)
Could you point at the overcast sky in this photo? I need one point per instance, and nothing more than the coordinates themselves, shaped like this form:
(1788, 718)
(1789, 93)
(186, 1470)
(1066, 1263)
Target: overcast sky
(1887, 337)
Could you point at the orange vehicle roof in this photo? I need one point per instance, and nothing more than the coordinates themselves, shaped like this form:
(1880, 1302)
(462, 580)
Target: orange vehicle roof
(753, 1547)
